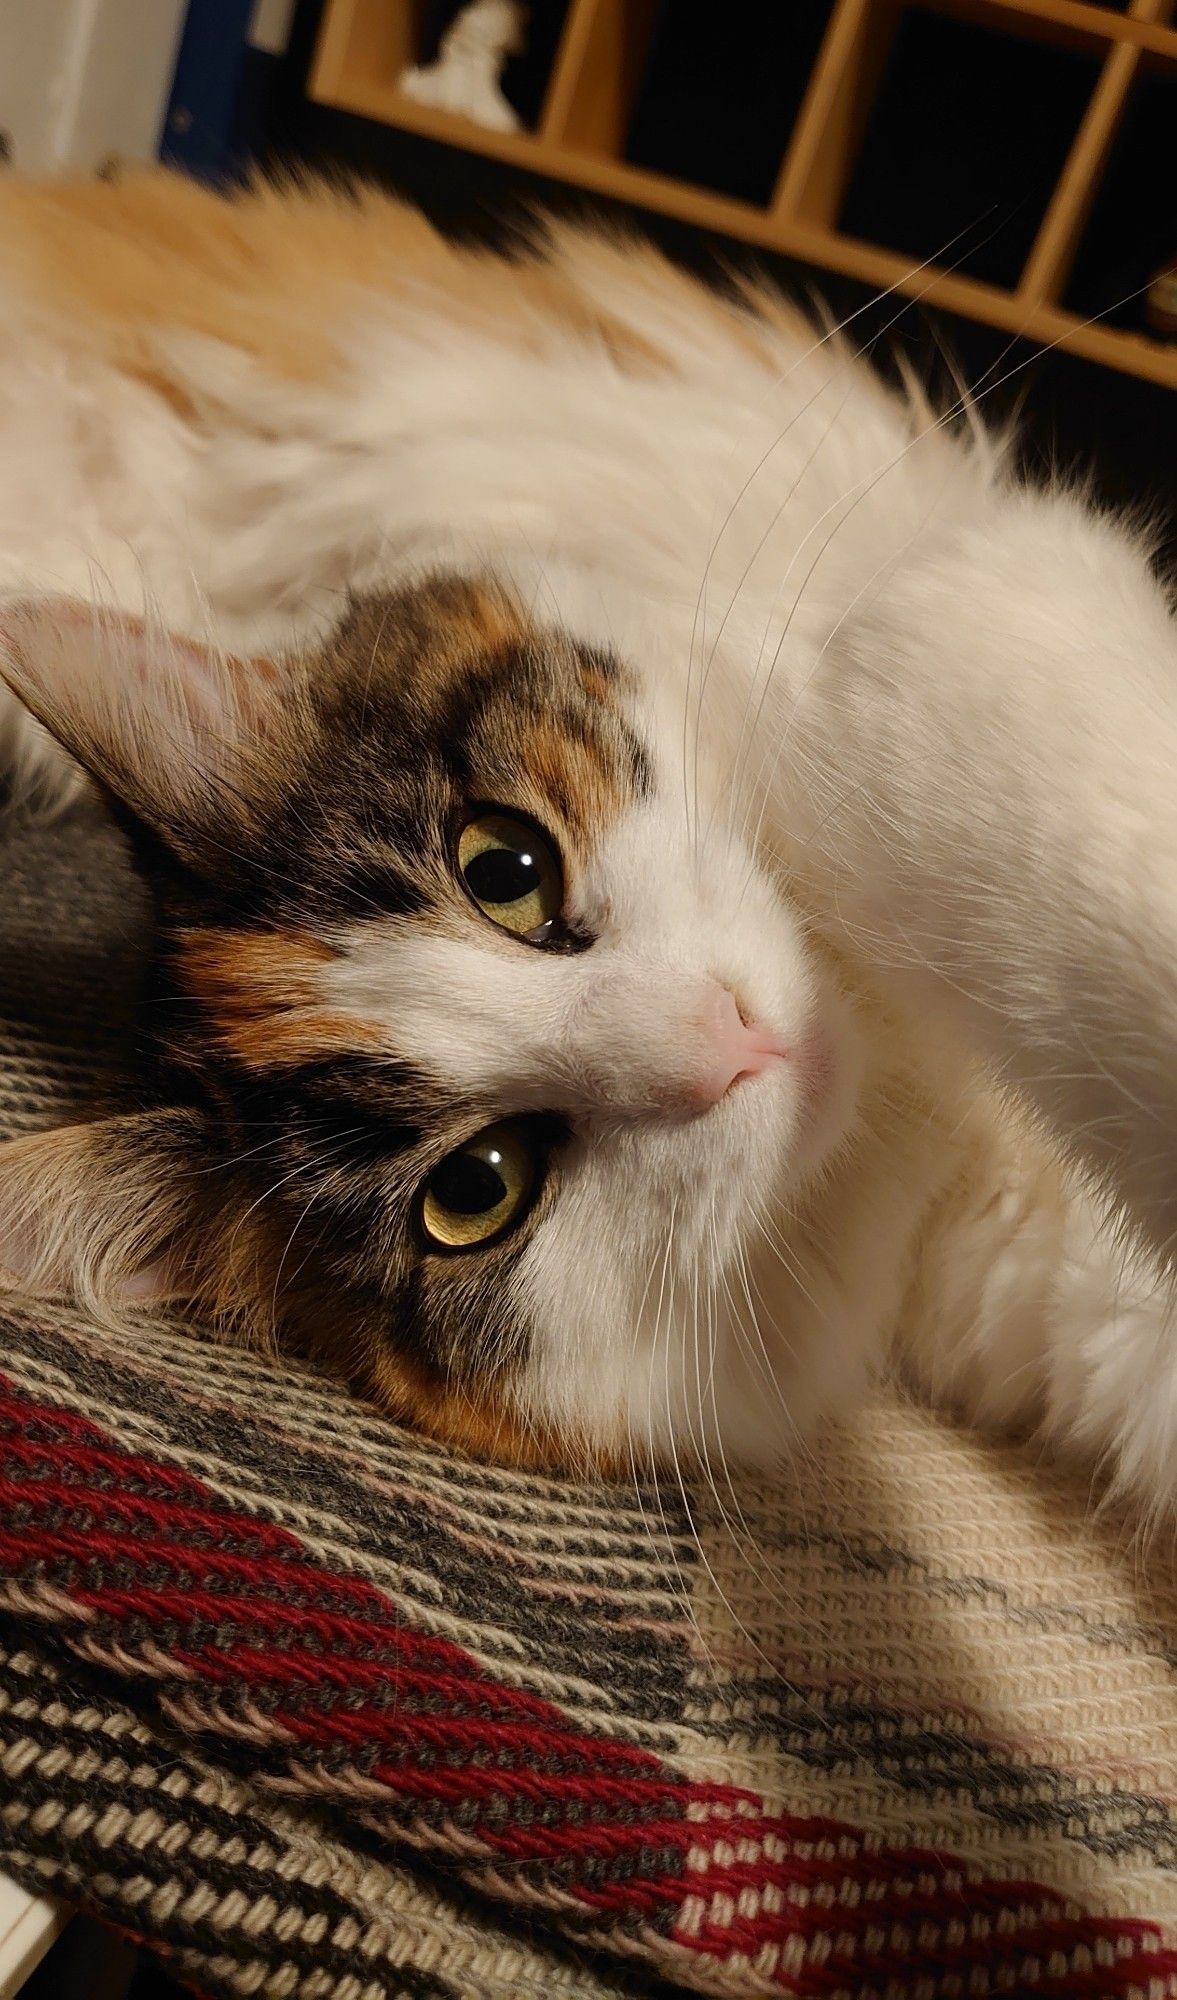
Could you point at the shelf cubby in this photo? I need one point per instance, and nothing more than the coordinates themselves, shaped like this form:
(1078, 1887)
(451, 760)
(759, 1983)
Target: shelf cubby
(1126, 237)
(717, 111)
(980, 211)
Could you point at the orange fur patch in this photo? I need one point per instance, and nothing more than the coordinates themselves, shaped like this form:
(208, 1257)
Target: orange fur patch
(597, 685)
(467, 625)
(262, 992)
(273, 271)
(484, 1428)
(573, 775)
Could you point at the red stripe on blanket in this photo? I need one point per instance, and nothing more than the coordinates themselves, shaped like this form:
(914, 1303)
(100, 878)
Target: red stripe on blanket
(321, 1664)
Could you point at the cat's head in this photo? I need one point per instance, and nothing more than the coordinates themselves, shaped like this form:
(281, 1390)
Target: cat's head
(499, 1073)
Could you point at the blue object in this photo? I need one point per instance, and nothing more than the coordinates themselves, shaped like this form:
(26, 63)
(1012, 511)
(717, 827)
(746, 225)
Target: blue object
(203, 129)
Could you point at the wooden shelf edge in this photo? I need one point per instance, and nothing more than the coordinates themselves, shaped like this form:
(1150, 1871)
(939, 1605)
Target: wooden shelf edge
(1139, 28)
(600, 173)
(357, 39)
(1042, 323)
(764, 228)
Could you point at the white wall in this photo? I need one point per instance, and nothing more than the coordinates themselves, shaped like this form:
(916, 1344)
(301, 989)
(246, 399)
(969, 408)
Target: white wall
(270, 26)
(81, 80)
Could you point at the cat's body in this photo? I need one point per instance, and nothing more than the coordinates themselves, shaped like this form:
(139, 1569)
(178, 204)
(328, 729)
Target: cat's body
(822, 719)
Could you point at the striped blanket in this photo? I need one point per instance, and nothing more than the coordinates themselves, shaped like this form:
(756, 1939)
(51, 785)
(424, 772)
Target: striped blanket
(316, 1709)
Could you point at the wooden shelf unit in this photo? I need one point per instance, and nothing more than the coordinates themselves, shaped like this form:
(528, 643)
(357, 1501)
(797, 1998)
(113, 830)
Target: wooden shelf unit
(364, 46)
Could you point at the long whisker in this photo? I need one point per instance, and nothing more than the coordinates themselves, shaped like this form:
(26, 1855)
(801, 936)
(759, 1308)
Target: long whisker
(304, 1167)
(665, 1543)
(668, 1538)
(755, 1349)
(332, 1180)
(745, 1545)
(676, 1463)
(760, 783)
(774, 519)
(934, 265)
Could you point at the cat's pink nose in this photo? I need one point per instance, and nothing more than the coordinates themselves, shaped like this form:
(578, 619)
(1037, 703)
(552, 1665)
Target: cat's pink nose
(731, 1048)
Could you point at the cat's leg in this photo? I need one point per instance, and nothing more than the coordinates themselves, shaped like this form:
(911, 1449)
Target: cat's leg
(1030, 1315)
(1111, 1378)
(980, 774)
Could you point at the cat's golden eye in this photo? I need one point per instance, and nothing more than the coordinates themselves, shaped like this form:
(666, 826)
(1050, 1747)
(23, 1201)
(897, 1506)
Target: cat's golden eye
(481, 1191)
(513, 872)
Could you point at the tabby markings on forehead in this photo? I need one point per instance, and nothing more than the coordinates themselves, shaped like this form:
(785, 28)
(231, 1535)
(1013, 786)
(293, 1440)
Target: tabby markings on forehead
(576, 774)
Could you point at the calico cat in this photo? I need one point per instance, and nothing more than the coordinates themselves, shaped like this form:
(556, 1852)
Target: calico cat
(665, 877)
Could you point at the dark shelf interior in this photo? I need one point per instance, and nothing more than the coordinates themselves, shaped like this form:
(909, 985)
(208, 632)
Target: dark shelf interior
(1132, 228)
(968, 136)
(721, 91)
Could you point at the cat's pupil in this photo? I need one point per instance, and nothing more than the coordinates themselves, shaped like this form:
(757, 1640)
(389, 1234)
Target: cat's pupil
(502, 875)
(466, 1185)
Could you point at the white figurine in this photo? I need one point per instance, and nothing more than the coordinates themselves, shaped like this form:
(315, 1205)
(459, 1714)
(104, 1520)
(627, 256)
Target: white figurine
(465, 77)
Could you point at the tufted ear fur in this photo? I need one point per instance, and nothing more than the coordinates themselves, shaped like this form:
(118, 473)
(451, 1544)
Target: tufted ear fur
(182, 734)
(100, 1212)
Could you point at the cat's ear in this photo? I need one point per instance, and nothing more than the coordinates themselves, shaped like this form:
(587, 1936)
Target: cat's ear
(100, 1212)
(181, 733)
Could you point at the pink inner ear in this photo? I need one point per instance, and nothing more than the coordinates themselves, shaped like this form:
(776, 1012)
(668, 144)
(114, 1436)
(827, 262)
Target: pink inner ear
(154, 1285)
(132, 701)
(161, 660)
(150, 1286)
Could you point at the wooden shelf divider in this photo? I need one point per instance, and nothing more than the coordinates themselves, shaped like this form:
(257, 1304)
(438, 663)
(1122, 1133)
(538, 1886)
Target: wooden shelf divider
(835, 110)
(581, 25)
(597, 75)
(1072, 23)
(362, 43)
(1048, 266)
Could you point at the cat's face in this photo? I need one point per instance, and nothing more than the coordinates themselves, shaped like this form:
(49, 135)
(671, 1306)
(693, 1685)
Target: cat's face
(521, 1055)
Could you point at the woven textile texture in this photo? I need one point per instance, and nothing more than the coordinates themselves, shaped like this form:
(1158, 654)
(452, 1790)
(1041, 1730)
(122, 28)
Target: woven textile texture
(316, 1709)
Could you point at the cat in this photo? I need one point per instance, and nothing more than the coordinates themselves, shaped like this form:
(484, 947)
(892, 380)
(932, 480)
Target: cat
(663, 851)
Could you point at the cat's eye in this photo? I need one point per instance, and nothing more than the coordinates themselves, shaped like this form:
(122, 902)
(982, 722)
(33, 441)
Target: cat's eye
(513, 872)
(481, 1191)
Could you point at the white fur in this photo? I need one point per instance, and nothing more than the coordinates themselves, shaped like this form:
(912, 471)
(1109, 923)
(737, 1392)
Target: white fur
(946, 709)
